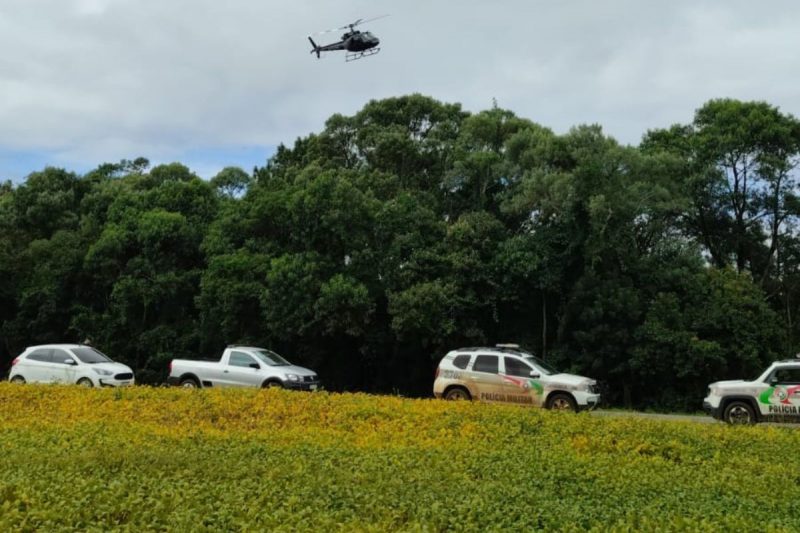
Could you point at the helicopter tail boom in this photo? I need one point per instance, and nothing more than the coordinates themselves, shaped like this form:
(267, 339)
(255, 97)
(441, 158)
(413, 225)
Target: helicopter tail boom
(316, 48)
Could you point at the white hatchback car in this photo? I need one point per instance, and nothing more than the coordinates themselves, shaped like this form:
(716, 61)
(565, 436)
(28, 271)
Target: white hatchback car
(69, 363)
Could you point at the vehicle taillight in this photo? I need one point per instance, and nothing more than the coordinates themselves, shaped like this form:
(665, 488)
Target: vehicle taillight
(436, 375)
(15, 361)
(170, 367)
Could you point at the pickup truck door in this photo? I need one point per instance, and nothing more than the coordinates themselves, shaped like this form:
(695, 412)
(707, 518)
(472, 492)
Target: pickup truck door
(242, 370)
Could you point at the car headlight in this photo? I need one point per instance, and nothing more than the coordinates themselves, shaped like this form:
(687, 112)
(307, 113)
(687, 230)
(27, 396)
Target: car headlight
(292, 377)
(102, 372)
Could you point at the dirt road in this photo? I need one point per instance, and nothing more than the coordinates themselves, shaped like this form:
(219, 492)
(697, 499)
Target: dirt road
(701, 419)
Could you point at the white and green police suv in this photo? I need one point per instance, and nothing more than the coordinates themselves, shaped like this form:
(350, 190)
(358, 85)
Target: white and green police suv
(774, 396)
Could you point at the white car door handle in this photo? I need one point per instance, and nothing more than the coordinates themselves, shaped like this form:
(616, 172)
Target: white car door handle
(224, 371)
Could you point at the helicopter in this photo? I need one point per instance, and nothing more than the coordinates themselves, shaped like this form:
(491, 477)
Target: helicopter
(357, 43)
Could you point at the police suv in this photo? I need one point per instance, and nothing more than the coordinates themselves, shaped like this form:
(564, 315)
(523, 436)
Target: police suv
(509, 374)
(772, 396)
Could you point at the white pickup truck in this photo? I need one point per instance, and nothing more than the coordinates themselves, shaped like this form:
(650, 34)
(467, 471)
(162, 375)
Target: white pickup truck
(242, 366)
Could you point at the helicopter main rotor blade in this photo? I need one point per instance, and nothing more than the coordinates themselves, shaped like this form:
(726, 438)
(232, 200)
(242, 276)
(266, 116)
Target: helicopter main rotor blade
(333, 29)
(362, 21)
(350, 26)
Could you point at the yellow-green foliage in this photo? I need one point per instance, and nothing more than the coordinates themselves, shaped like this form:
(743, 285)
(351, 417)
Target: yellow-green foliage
(249, 460)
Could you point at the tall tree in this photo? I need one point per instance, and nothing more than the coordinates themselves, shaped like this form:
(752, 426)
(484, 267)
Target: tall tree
(740, 158)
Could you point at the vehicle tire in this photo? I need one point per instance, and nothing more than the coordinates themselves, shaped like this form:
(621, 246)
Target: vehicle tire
(739, 413)
(273, 385)
(457, 394)
(562, 401)
(85, 382)
(17, 379)
(189, 383)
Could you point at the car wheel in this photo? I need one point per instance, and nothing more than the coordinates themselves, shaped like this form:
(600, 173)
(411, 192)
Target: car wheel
(739, 413)
(273, 385)
(18, 379)
(85, 382)
(189, 383)
(457, 393)
(562, 402)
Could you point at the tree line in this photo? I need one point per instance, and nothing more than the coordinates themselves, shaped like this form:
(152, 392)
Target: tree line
(368, 250)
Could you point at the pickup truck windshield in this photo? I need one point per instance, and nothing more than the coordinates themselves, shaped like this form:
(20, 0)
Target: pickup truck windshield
(90, 355)
(270, 358)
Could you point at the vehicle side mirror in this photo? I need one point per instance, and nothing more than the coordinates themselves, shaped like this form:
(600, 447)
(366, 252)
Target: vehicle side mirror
(70, 362)
(535, 374)
(255, 365)
(774, 380)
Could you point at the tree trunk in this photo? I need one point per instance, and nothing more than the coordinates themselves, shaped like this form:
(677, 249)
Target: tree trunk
(626, 396)
(544, 325)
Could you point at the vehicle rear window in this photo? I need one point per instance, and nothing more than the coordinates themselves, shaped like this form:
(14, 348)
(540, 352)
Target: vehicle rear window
(40, 355)
(486, 363)
(461, 361)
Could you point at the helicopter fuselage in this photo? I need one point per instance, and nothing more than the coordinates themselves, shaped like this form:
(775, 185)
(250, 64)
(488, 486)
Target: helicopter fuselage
(359, 41)
(355, 41)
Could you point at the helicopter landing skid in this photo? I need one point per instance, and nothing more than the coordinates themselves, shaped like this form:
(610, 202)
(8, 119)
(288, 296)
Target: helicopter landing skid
(353, 56)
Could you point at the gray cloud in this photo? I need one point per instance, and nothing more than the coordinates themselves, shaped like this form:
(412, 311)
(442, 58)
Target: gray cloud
(96, 80)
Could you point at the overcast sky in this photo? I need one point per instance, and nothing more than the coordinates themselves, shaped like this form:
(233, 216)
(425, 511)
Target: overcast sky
(214, 83)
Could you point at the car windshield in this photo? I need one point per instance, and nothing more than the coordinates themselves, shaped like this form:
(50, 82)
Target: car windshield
(90, 355)
(270, 358)
(548, 369)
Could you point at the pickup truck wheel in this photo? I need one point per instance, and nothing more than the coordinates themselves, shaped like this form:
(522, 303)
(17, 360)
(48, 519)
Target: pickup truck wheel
(457, 393)
(562, 402)
(739, 413)
(85, 382)
(18, 379)
(189, 383)
(273, 385)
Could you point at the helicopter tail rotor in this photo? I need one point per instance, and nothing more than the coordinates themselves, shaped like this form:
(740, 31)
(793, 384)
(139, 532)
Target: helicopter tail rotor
(315, 47)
